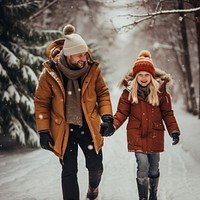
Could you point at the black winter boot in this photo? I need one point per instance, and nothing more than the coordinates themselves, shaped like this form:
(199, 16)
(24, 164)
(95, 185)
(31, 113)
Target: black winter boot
(92, 193)
(153, 186)
(94, 180)
(142, 184)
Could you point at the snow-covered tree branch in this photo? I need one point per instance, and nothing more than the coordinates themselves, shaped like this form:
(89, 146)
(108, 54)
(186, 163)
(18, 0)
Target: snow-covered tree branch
(147, 16)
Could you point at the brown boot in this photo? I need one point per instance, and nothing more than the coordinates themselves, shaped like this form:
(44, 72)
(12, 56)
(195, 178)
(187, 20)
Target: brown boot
(92, 193)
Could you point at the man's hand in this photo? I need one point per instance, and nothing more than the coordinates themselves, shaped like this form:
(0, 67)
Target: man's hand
(45, 140)
(107, 127)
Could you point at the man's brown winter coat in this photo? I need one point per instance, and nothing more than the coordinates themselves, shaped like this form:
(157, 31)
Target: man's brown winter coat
(50, 100)
(145, 128)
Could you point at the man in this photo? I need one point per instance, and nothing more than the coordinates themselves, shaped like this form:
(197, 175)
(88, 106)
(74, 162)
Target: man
(70, 100)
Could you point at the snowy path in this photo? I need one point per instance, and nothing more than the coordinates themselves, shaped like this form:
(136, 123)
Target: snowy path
(35, 175)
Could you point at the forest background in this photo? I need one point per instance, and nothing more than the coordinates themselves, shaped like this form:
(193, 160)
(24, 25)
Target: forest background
(115, 30)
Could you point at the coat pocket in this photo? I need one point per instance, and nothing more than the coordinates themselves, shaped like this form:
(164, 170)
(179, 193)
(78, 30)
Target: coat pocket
(158, 126)
(134, 124)
(158, 137)
(134, 135)
(56, 121)
(134, 139)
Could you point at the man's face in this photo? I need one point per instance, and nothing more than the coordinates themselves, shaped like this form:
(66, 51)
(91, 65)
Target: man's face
(77, 60)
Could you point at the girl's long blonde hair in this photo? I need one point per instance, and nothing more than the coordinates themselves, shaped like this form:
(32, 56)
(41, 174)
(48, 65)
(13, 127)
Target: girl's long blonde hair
(153, 94)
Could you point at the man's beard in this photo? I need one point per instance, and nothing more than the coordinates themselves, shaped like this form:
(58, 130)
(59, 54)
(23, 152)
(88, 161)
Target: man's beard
(80, 64)
(77, 66)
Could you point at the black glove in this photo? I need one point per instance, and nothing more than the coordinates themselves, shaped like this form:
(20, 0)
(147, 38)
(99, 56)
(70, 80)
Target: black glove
(107, 128)
(175, 138)
(45, 139)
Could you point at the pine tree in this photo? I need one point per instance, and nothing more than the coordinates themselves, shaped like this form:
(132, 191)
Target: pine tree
(21, 57)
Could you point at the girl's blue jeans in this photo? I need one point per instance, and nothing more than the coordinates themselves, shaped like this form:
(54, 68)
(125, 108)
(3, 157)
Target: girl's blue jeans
(147, 165)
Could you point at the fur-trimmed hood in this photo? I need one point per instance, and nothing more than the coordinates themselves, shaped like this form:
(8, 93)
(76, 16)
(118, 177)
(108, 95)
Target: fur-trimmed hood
(164, 76)
(164, 79)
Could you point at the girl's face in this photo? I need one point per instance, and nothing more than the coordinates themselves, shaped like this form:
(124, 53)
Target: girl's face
(143, 78)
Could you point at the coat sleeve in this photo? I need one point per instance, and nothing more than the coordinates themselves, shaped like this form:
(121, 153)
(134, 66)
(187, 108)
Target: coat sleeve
(103, 95)
(168, 114)
(123, 109)
(42, 102)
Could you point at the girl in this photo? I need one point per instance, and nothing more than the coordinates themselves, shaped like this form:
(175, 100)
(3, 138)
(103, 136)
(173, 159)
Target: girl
(146, 104)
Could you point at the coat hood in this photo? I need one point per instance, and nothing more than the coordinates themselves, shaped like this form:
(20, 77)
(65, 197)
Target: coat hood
(54, 49)
(164, 76)
(161, 76)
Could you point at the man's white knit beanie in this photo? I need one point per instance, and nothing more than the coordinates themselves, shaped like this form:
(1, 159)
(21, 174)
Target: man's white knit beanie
(74, 43)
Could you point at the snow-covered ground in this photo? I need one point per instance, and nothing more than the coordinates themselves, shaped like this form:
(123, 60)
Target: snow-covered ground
(35, 175)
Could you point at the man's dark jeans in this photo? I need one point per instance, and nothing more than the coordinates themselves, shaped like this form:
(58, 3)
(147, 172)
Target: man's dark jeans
(82, 137)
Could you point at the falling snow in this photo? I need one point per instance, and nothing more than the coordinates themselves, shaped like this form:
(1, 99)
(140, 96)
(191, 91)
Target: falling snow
(90, 147)
(40, 116)
(82, 132)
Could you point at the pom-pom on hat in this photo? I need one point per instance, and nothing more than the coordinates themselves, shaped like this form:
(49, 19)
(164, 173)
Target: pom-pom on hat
(144, 63)
(74, 43)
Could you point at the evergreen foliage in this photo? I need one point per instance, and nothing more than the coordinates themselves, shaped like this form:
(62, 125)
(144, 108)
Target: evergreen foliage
(21, 59)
